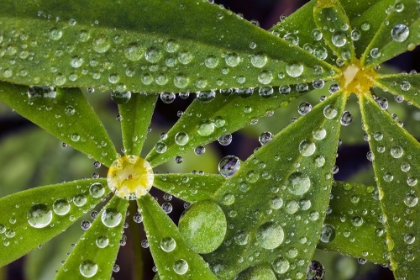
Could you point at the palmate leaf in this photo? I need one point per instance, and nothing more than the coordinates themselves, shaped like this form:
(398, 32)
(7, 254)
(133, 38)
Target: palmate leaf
(189, 187)
(136, 117)
(397, 186)
(205, 122)
(151, 46)
(96, 251)
(66, 114)
(353, 226)
(397, 33)
(36, 207)
(404, 85)
(276, 203)
(173, 258)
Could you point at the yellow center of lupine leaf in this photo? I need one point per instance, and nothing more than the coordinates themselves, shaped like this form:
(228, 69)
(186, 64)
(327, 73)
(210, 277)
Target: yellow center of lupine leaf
(357, 79)
(130, 177)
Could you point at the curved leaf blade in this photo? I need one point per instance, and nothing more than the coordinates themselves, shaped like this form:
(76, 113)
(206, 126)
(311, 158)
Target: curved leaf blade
(355, 217)
(139, 46)
(64, 113)
(267, 207)
(87, 250)
(405, 85)
(136, 117)
(19, 236)
(397, 185)
(189, 187)
(175, 262)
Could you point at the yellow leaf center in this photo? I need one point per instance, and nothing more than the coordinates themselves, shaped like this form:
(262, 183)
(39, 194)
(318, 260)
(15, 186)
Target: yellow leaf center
(357, 79)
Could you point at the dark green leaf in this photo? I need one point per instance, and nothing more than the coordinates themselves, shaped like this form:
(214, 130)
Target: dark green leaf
(136, 117)
(20, 237)
(151, 46)
(172, 257)
(189, 187)
(95, 253)
(354, 220)
(276, 203)
(403, 85)
(64, 113)
(396, 157)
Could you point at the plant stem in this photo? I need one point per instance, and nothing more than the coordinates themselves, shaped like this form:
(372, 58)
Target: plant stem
(137, 259)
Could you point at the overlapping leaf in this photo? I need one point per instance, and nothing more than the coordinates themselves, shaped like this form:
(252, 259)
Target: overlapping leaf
(95, 253)
(31, 218)
(406, 86)
(396, 157)
(276, 203)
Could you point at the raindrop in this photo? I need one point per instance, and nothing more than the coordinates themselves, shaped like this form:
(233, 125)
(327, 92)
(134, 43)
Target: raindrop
(307, 148)
(111, 217)
(327, 233)
(319, 133)
(259, 60)
(167, 97)
(400, 32)
(225, 140)
(281, 265)
(330, 112)
(232, 59)
(270, 235)
(294, 70)
(97, 190)
(206, 96)
(265, 137)
(346, 118)
(180, 266)
(61, 207)
(181, 138)
(304, 108)
(120, 97)
(88, 268)
(397, 152)
(299, 183)
(167, 244)
(339, 39)
(228, 166)
(39, 216)
(211, 61)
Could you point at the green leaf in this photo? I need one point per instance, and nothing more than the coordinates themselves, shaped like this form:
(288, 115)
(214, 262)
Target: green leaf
(396, 157)
(172, 257)
(64, 113)
(404, 85)
(95, 253)
(20, 237)
(139, 46)
(136, 117)
(332, 21)
(352, 226)
(397, 33)
(205, 122)
(276, 203)
(189, 187)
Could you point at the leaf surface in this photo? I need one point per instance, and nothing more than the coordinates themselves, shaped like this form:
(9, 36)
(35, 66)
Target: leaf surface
(151, 46)
(276, 203)
(19, 236)
(396, 157)
(404, 85)
(64, 113)
(88, 259)
(171, 255)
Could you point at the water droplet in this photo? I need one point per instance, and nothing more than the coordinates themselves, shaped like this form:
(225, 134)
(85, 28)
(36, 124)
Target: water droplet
(167, 97)
(270, 235)
(265, 77)
(228, 166)
(160, 147)
(357, 221)
(307, 148)
(327, 233)
(409, 238)
(134, 52)
(346, 118)
(258, 60)
(265, 137)
(397, 152)
(410, 200)
(79, 200)
(120, 97)
(167, 244)
(241, 238)
(316, 271)
(304, 108)
(294, 70)
(55, 34)
(153, 54)
(101, 44)
(76, 62)
(88, 268)
(206, 128)
(206, 96)
(39, 216)
(339, 39)
(281, 265)
(265, 91)
(319, 133)
(211, 61)
(96, 190)
(61, 207)
(181, 138)
(111, 217)
(225, 140)
(232, 59)
(180, 266)
(330, 112)
(102, 241)
(382, 102)
(299, 183)
(400, 32)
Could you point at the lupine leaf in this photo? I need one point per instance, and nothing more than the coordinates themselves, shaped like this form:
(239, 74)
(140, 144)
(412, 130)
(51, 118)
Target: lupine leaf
(89, 258)
(397, 33)
(136, 117)
(172, 257)
(280, 221)
(189, 187)
(396, 157)
(140, 46)
(20, 236)
(354, 217)
(64, 113)
(206, 122)
(405, 85)
(334, 24)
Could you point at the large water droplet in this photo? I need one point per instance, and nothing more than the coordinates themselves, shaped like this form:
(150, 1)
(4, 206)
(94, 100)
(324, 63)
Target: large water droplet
(96, 190)
(259, 60)
(228, 166)
(111, 217)
(180, 266)
(400, 32)
(270, 235)
(327, 233)
(294, 70)
(88, 268)
(299, 183)
(39, 216)
(181, 138)
(101, 43)
(168, 244)
(307, 148)
(102, 241)
(281, 265)
(120, 97)
(134, 52)
(61, 207)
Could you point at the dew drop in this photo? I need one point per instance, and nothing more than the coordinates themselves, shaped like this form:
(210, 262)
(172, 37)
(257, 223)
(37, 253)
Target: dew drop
(270, 235)
(133, 52)
(181, 138)
(120, 97)
(400, 32)
(180, 267)
(102, 241)
(111, 217)
(96, 190)
(319, 133)
(39, 216)
(346, 118)
(88, 268)
(61, 207)
(299, 183)
(232, 59)
(307, 148)
(330, 112)
(206, 96)
(211, 61)
(294, 70)
(327, 233)
(281, 265)
(258, 60)
(153, 54)
(397, 152)
(229, 165)
(101, 44)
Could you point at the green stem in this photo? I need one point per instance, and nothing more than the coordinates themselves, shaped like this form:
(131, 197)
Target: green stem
(137, 259)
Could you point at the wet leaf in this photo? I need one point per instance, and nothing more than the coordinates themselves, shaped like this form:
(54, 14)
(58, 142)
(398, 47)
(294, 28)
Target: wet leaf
(112, 47)
(33, 219)
(262, 216)
(172, 257)
(64, 113)
(396, 157)
(189, 187)
(397, 33)
(95, 253)
(136, 117)
(353, 224)
(406, 86)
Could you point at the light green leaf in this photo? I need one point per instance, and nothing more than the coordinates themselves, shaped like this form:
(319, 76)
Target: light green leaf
(136, 117)
(397, 33)
(404, 85)
(95, 253)
(172, 257)
(140, 46)
(332, 21)
(352, 226)
(396, 157)
(205, 122)
(20, 237)
(64, 113)
(276, 203)
(189, 187)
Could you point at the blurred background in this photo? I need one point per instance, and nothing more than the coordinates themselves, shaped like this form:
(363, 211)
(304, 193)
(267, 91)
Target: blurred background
(30, 157)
